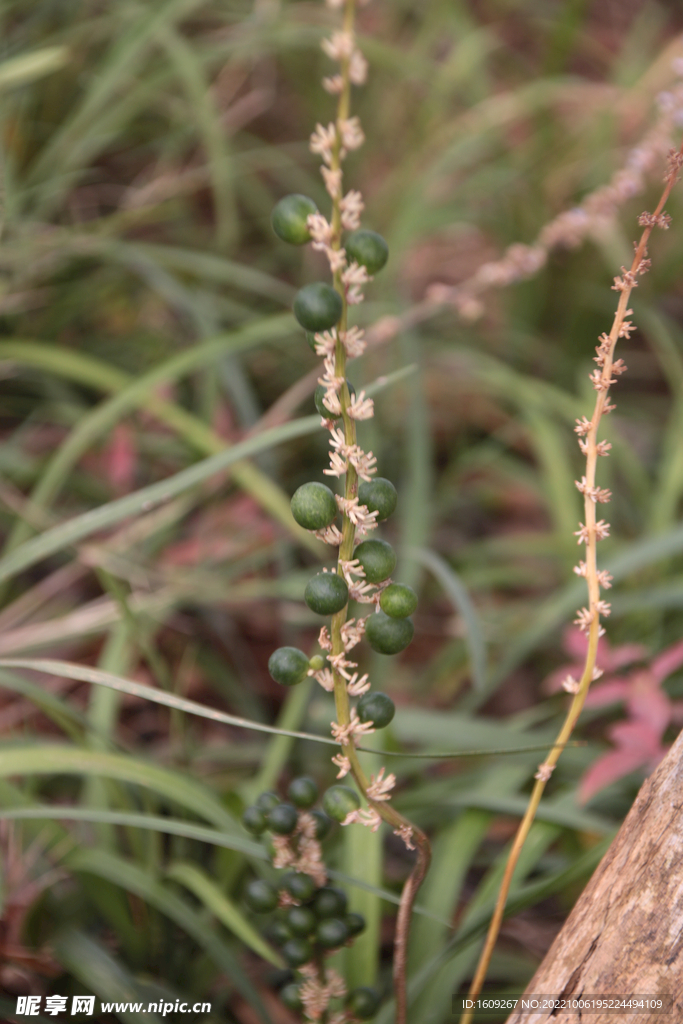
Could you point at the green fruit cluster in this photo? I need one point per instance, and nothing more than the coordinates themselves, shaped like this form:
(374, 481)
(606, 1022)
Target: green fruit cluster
(318, 920)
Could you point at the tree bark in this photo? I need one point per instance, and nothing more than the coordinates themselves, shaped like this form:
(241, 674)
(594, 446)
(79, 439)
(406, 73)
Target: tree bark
(625, 934)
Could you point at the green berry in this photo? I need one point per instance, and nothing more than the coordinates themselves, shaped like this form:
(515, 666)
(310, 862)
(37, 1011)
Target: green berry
(282, 819)
(266, 801)
(376, 708)
(261, 896)
(329, 902)
(317, 306)
(377, 558)
(313, 506)
(355, 923)
(289, 219)
(254, 820)
(316, 662)
(326, 593)
(339, 801)
(323, 824)
(303, 792)
(386, 635)
(297, 952)
(298, 885)
(301, 921)
(368, 249)
(331, 933)
(398, 600)
(279, 933)
(363, 1003)
(290, 996)
(321, 407)
(378, 495)
(288, 666)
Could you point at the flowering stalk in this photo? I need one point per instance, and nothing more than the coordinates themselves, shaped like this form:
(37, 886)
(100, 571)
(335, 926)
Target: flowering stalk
(589, 533)
(364, 567)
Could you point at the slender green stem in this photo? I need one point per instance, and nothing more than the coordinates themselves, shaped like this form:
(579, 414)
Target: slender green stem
(386, 812)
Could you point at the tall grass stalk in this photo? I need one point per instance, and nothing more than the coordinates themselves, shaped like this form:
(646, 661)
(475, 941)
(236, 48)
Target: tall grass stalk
(589, 533)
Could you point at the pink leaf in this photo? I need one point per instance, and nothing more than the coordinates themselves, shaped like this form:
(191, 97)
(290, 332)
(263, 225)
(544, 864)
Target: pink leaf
(667, 662)
(120, 458)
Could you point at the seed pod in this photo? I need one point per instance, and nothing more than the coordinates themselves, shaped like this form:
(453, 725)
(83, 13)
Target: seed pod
(290, 996)
(313, 506)
(326, 594)
(317, 306)
(297, 952)
(377, 558)
(303, 792)
(323, 824)
(386, 635)
(363, 1003)
(329, 902)
(299, 885)
(331, 933)
(261, 896)
(289, 219)
(368, 249)
(266, 801)
(339, 801)
(288, 666)
(376, 708)
(398, 600)
(301, 921)
(355, 923)
(254, 820)
(378, 495)
(282, 819)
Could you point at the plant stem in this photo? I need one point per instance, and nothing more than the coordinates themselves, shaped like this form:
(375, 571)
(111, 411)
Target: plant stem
(590, 571)
(341, 697)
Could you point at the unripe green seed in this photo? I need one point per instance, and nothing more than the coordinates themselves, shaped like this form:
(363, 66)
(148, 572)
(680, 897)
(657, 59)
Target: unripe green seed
(363, 1003)
(282, 819)
(323, 824)
(288, 666)
(261, 896)
(303, 792)
(266, 801)
(339, 801)
(326, 593)
(297, 952)
(317, 306)
(386, 635)
(367, 248)
(299, 885)
(254, 820)
(377, 708)
(313, 506)
(377, 558)
(289, 219)
(331, 933)
(320, 405)
(279, 933)
(378, 495)
(398, 600)
(329, 902)
(355, 923)
(301, 921)
(316, 662)
(290, 996)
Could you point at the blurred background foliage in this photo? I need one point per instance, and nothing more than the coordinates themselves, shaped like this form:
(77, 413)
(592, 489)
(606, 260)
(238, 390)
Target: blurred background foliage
(145, 323)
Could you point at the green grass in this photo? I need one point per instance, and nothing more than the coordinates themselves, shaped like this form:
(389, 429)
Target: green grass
(157, 414)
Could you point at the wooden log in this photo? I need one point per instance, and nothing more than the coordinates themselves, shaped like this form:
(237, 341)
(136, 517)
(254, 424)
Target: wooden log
(625, 934)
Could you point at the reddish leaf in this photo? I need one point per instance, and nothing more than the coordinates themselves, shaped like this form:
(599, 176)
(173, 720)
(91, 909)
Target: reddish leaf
(120, 459)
